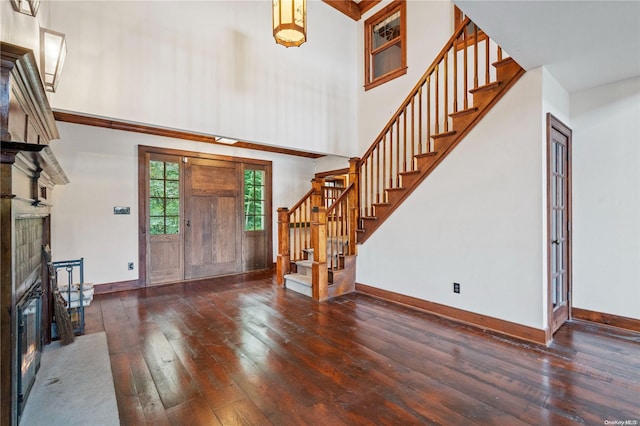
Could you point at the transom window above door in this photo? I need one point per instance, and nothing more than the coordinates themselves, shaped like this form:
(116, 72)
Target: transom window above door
(385, 45)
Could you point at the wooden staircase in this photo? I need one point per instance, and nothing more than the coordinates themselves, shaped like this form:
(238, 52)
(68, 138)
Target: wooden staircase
(317, 238)
(462, 121)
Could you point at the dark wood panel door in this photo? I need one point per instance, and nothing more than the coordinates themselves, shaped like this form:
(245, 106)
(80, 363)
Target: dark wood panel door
(213, 232)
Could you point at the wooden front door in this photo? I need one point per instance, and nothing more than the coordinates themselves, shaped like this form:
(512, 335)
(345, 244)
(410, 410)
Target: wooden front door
(213, 230)
(559, 202)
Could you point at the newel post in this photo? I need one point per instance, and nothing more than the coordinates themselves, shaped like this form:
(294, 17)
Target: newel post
(354, 203)
(283, 263)
(317, 197)
(319, 271)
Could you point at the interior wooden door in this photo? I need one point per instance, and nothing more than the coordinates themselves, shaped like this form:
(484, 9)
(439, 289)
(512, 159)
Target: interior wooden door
(213, 208)
(559, 223)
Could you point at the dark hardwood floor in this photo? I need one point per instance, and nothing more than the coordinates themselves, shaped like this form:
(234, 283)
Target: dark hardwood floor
(241, 351)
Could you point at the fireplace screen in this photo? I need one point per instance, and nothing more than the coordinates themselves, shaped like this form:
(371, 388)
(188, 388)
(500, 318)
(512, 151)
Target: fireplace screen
(29, 343)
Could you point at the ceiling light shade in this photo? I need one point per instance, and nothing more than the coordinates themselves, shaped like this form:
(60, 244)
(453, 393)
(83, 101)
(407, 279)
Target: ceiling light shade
(28, 7)
(290, 22)
(53, 50)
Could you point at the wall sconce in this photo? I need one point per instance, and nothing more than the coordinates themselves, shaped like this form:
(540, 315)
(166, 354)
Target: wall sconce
(53, 50)
(290, 22)
(28, 7)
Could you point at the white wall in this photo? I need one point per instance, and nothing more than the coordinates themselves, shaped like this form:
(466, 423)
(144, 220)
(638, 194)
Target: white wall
(212, 67)
(20, 29)
(475, 220)
(102, 166)
(606, 198)
(429, 26)
(555, 100)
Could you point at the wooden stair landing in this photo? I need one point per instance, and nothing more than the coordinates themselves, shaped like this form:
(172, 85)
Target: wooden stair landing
(508, 72)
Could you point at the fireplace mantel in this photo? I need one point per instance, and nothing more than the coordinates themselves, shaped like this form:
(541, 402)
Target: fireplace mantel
(28, 173)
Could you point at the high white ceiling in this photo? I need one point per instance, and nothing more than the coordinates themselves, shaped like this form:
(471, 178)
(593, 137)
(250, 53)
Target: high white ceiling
(582, 43)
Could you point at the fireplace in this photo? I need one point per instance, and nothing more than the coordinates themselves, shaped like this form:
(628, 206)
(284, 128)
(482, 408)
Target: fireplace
(29, 320)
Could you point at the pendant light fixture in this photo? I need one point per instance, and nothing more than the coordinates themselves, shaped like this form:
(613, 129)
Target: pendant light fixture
(290, 22)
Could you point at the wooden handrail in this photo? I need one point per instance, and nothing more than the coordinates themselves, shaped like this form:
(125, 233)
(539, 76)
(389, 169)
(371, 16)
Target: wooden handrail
(302, 200)
(326, 218)
(437, 95)
(343, 195)
(420, 83)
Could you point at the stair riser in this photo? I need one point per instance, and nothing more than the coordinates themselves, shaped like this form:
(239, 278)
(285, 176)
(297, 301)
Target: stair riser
(463, 121)
(394, 196)
(441, 144)
(298, 287)
(409, 180)
(507, 72)
(425, 162)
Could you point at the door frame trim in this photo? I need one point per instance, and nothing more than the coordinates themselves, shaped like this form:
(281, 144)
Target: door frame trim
(553, 123)
(142, 194)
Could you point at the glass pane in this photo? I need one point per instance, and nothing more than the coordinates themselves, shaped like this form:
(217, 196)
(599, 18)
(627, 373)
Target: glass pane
(156, 225)
(248, 177)
(559, 222)
(248, 223)
(156, 207)
(156, 169)
(258, 193)
(560, 191)
(173, 207)
(555, 291)
(173, 225)
(172, 171)
(387, 60)
(258, 207)
(156, 188)
(259, 177)
(386, 30)
(248, 192)
(259, 223)
(560, 257)
(554, 258)
(173, 189)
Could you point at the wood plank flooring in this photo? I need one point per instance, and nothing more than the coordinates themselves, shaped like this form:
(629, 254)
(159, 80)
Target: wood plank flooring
(238, 350)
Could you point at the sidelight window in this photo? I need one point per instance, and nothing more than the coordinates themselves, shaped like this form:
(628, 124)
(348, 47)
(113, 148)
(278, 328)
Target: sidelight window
(164, 197)
(254, 200)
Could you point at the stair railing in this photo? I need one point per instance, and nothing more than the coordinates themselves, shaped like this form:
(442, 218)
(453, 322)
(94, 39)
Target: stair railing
(295, 225)
(338, 227)
(445, 89)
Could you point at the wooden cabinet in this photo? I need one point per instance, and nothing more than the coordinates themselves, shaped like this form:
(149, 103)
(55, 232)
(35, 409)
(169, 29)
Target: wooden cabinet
(28, 173)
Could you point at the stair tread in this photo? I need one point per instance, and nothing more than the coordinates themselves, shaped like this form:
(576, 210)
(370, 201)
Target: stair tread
(409, 172)
(381, 204)
(485, 87)
(427, 154)
(304, 263)
(400, 188)
(369, 218)
(463, 112)
(443, 134)
(299, 278)
(503, 62)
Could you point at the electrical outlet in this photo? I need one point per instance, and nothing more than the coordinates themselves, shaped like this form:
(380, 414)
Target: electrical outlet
(130, 266)
(456, 287)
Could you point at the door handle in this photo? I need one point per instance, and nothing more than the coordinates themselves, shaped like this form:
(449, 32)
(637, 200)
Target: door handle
(556, 242)
(188, 222)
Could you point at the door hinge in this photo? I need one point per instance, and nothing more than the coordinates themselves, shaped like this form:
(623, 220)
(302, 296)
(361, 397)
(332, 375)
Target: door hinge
(185, 159)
